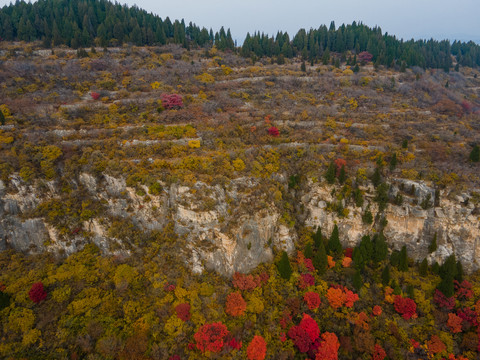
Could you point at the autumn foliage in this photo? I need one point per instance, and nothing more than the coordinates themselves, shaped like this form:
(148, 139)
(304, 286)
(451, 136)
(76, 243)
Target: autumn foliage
(236, 305)
(312, 299)
(95, 95)
(405, 307)
(211, 337)
(454, 323)
(328, 349)
(37, 293)
(257, 348)
(273, 131)
(183, 311)
(249, 282)
(171, 101)
(339, 296)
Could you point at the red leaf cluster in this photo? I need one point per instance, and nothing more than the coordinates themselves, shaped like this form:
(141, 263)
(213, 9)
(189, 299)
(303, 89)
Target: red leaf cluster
(435, 345)
(95, 95)
(328, 349)
(442, 301)
(309, 265)
(463, 291)
(405, 307)
(286, 319)
(377, 310)
(378, 353)
(305, 334)
(169, 287)
(183, 311)
(211, 337)
(348, 252)
(469, 316)
(37, 293)
(273, 131)
(171, 101)
(306, 280)
(236, 305)
(365, 56)
(257, 349)
(234, 344)
(339, 163)
(312, 299)
(174, 357)
(249, 282)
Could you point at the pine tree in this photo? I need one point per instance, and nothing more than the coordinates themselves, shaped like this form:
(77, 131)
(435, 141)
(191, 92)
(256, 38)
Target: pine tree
(380, 248)
(334, 246)
(376, 177)
(317, 238)
(4, 300)
(433, 245)
(459, 275)
(2, 118)
(308, 252)
(403, 260)
(393, 161)
(320, 260)
(357, 280)
(386, 275)
(448, 272)
(284, 267)
(424, 267)
(342, 176)
(330, 174)
(303, 66)
(475, 154)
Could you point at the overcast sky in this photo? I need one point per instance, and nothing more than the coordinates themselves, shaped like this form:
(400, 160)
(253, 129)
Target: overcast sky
(457, 19)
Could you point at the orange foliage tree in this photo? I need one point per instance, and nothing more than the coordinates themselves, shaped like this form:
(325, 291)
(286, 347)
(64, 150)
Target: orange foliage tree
(454, 323)
(236, 305)
(328, 349)
(257, 348)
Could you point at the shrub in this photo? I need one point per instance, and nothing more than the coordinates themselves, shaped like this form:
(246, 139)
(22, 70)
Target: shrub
(405, 307)
(183, 311)
(171, 101)
(273, 131)
(235, 305)
(37, 293)
(95, 95)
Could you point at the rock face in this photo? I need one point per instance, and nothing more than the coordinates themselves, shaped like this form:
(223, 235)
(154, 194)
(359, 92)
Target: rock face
(235, 227)
(456, 222)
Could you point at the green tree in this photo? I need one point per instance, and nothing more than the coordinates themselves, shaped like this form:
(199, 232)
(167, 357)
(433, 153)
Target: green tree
(475, 154)
(447, 272)
(317, 238)
(342, 176)
(380, 248)
(423, 270)
(303, 66)
(459, 275)
(334, 246)
(357, 280)
(284, 267)
(2, 118)
(403, 260)
(320, 260)
(376, 177)
(308, 252)
(330, 174)
(393, 161)
(386, 275)
(382, 196)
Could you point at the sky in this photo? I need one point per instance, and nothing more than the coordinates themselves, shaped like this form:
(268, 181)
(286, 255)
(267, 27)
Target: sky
(419, 19)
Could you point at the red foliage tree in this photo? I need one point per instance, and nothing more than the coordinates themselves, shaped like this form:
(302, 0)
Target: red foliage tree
(95, 95)
(236, 305)
(37, 293)
(249, 282)
(339, 163)
(405, 307)
(171, 101)
(306, 280)
(442, 301)
(305, 334)
(309, 265)
(273, 131)
(312, 299)
(183, 311)
(211, 337)
(377, 310)
(463, 290)
(257, 349)
(348, 252)
(234, 344)
(378, 353)
(365, 56)
(469, 316)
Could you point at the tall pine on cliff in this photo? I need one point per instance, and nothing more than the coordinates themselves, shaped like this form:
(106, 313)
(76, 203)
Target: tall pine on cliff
(284, 267)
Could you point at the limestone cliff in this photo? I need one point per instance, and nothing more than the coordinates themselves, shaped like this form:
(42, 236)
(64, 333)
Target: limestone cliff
(235, 227)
